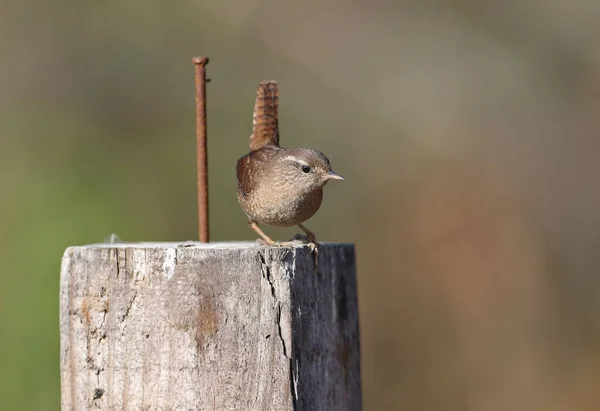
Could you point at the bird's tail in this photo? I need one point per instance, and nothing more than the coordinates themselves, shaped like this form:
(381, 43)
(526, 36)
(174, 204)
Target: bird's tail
(265, 127)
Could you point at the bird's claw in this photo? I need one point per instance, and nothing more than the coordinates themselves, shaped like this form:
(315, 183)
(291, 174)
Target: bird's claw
(298, 239)
(274, 243)
(310, 241)
(314, 247)
(283, 244)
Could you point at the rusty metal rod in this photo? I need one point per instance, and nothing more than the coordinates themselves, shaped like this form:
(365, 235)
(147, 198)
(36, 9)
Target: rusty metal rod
(202, 166)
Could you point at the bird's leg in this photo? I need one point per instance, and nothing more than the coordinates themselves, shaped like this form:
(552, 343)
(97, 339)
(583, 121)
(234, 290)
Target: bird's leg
(309, 234)
(312, 238)
(261, 234)
(265, 237)
(313, 245)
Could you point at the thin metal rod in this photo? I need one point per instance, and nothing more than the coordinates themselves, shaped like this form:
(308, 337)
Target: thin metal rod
(200, 65)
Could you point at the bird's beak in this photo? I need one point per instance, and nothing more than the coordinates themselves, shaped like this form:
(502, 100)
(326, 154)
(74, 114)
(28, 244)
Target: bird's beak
(333, 176)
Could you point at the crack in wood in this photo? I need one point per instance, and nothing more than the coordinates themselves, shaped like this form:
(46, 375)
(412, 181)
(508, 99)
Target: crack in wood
(141, 358)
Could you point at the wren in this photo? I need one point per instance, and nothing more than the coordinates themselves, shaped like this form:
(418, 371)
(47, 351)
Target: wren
(276, 186)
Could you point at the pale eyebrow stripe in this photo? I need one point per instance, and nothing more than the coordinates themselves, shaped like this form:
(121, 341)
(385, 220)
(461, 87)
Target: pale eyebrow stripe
(292, 158)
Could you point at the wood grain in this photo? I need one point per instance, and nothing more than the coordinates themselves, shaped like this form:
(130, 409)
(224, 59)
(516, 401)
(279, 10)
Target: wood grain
(220, 326)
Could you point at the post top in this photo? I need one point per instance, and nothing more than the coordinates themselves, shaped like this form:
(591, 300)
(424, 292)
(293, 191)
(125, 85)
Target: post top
(224, 245)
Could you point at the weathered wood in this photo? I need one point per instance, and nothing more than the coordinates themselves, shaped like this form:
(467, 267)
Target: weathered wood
(221, 326)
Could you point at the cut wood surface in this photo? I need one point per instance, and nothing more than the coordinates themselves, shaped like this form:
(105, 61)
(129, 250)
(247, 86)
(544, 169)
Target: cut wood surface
(219, 326)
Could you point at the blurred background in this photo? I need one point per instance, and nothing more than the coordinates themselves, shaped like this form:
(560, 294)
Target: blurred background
(467, 132)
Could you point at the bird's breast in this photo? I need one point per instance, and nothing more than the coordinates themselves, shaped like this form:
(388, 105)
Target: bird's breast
(280, 207)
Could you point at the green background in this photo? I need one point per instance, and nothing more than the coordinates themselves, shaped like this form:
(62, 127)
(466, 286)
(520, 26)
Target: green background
(466, 131)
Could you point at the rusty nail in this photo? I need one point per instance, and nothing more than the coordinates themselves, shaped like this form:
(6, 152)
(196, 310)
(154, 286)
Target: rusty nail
(202, 166)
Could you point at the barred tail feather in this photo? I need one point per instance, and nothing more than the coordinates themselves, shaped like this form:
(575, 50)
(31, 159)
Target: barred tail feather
(265, 127)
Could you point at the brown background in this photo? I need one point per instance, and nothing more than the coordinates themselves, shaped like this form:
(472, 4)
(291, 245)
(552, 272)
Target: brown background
(467, 132)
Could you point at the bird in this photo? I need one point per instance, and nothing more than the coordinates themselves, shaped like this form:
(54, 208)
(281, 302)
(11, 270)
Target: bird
(276, 186)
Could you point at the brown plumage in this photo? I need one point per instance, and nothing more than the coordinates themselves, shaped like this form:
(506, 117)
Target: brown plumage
(277, 186)
(265, 127)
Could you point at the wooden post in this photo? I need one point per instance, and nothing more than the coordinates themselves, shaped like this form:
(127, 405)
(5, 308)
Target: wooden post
(219, 326)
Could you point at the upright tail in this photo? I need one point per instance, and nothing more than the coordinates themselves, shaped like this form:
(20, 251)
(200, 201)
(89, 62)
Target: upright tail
(265, 127)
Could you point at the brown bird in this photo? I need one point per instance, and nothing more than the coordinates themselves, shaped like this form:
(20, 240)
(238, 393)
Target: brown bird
(277, 186)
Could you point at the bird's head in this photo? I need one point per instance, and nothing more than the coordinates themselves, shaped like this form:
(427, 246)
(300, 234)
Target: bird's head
(306, 168)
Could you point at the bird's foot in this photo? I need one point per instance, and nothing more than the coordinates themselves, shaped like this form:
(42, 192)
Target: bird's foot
(272, 243)
(309, 240)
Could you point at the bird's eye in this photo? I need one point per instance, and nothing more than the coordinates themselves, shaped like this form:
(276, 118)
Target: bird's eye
(305, 169)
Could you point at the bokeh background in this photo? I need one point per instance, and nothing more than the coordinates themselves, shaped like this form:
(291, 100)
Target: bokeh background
(467, 132)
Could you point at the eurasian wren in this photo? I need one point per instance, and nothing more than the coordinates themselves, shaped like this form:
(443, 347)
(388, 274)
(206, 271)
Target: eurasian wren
(277, 186)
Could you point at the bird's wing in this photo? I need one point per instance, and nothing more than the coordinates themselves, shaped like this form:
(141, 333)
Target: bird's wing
(265, 127)
(245, 180)
(252, 167)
